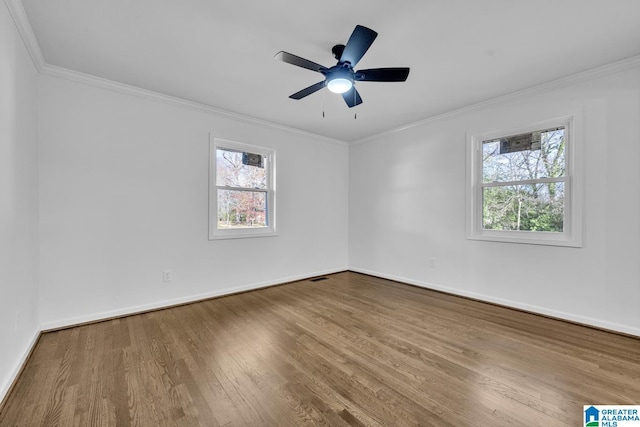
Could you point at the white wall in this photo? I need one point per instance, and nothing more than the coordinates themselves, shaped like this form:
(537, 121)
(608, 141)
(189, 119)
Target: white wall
(18, 202)
(124, 196)
(407, 204)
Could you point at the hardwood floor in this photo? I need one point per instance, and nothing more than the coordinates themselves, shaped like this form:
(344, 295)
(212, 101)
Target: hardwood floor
(350, 350)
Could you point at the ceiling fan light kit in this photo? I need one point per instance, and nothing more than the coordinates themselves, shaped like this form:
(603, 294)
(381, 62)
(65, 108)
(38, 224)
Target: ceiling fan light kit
(340, 81)
(341, 77)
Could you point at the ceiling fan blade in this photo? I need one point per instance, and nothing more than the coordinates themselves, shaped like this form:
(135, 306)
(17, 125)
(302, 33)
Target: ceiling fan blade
(300, 62)
(352, 97)
(308, 91)
(382, 75)
(358, 44)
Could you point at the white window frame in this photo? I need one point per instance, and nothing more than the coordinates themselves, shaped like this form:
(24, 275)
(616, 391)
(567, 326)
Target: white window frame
(239, 233)
(572, 225)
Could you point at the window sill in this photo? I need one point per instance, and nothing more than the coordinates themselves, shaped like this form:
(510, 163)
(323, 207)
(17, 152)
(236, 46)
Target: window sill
(523, 237)
(241, 234)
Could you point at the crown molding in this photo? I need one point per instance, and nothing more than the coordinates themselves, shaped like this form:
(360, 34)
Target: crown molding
(17, 12)
(604, 70)
(16, 9)
(91, 80)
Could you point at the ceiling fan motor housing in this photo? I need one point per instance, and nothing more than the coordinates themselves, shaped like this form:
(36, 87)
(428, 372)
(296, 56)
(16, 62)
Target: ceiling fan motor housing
(340, 71)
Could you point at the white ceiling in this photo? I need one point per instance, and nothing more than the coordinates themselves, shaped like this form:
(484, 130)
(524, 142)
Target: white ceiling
(221, 52)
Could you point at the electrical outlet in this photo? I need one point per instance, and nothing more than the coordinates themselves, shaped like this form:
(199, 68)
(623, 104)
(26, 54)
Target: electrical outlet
(432, 262)
(167, 276)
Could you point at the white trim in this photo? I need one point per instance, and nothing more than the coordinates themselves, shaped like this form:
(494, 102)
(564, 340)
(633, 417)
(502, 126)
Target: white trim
(573, 212)
(241, 233)
(576, 318)
(23, 25)
(64, 73)
(88, 79)
(251, 190)
(524, 182)
(19, 15)
(13, 374)
(105, 315)
(603, 70)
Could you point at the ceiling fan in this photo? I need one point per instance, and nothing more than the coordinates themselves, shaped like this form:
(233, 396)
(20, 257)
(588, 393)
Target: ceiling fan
(341, 78)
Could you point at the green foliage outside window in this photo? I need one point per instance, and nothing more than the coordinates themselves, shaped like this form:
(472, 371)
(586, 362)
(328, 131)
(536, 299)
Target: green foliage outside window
(523, 182)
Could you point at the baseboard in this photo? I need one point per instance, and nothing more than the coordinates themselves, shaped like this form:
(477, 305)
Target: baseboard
(158, 305)
(570, 317)
(7, 387)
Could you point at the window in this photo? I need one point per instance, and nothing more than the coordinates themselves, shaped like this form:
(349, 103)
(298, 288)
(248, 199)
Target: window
(524, 185)
(242, 190)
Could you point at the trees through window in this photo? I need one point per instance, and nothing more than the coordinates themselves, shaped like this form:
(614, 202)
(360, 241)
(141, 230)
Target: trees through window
(523, 181)
(243, 185)
(522, 185)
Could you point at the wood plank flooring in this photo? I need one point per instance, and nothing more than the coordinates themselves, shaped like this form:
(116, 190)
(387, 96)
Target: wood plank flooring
(351, 350)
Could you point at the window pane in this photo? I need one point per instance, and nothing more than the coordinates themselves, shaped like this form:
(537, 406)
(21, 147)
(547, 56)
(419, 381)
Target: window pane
(242, 209)
(235, 169)
(527, 156)
(531, 207)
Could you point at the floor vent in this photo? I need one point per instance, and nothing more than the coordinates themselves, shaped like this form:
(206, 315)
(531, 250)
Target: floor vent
(318, 279)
